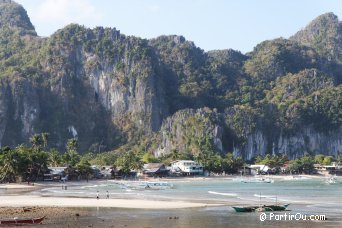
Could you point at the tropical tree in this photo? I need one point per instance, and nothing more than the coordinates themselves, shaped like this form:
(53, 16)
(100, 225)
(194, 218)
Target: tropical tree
(319, 158)
(71, 155)
(232, 164)
(328, 160)
(9, 165)
(45, 139)
(36, 141)
(307, 164)
(129, 161)
(55, 159)
(84, 168)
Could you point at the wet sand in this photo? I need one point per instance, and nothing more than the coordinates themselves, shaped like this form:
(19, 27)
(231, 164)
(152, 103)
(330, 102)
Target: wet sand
(18, 186)
(89, 212)
(31, 200)
(117, 217)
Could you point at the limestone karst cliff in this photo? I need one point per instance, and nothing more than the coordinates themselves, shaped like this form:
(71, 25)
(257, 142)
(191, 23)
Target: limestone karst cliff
(111, 90)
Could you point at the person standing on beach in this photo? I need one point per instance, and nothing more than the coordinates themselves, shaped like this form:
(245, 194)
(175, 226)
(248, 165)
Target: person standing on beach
(97, 195)
(107, 195)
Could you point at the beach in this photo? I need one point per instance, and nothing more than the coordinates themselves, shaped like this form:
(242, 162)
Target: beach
(192, 202)
(26, 201)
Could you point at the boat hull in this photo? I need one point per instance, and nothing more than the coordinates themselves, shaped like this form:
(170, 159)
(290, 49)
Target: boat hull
(245, 209)
(22, 221)
(261, 208)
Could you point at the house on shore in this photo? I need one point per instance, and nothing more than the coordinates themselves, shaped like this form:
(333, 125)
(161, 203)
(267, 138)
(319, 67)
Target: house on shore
(55, 173)
(155, 170)
(328, 169)
(259, 169)
(186, 167)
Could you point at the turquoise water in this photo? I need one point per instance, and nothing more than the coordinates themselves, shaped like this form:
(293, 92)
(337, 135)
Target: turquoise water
(314, 192)
(307, 196)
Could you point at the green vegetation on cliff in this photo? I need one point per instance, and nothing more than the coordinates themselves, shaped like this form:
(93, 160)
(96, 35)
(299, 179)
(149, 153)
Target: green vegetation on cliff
(166, 96)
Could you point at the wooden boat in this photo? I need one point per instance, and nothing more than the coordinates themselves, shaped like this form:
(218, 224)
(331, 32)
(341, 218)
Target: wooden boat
(261, 208)
(18, 221)
(245, 209)
(254, 180)
(277, 207)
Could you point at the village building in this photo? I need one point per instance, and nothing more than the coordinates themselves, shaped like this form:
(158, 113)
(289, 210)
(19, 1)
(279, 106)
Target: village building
(155, 170)
(332, 169)
(55, 173)
(186, 167)
(259, 169)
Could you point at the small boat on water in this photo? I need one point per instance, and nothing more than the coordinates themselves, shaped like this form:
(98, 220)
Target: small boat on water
(148, 185)
(255, 180)
(331, 180)
(20, 221)
(261, 208)
(158, 185)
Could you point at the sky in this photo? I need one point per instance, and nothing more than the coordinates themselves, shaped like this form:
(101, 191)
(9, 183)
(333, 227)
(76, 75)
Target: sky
(211, 24)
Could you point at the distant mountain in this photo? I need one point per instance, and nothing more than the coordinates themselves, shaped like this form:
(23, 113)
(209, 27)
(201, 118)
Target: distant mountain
(165, 95)
(324, 35)
(14, 16)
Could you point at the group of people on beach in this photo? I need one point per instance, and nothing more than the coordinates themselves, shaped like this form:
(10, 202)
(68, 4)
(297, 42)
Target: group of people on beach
(98, 195)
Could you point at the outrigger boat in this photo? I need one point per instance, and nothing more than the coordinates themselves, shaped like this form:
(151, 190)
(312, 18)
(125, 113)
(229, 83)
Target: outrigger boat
(147, 185)
(261, 208)
(18, 221)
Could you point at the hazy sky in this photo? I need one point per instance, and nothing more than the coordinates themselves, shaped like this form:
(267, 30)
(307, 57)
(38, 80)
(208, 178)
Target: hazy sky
(211, 24)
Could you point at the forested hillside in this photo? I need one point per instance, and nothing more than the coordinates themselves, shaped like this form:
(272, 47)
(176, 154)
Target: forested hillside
(123, 94)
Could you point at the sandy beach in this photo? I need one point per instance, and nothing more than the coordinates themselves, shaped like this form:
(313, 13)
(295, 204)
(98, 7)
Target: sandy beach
(193, 202)
(17, 186)
(25, 201)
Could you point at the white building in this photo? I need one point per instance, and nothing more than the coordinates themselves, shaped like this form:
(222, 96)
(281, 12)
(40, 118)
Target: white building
(259, 169)
(187, 167)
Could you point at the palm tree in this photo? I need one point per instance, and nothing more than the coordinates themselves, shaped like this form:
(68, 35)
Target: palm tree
(45, 139)
(9, 165)
(36, 142)
(55, 158)
(72, 145)
(71, 156)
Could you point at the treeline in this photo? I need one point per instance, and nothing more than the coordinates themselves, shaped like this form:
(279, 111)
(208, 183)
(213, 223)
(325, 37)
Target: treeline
(304, 164)
(25, 163)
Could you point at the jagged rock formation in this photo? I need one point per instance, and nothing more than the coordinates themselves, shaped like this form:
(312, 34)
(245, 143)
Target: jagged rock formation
(323, 34)
(14, 16)
(113, 91)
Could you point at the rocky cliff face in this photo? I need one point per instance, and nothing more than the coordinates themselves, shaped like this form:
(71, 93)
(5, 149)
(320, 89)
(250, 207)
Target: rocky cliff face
(15, 16)
(110, 90)
(189, 128)
(323, 34)
(306, 140)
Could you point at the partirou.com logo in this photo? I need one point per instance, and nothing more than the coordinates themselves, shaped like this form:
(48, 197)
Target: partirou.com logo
(290, 217)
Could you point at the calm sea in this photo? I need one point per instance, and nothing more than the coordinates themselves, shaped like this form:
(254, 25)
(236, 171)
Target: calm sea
(306, 196)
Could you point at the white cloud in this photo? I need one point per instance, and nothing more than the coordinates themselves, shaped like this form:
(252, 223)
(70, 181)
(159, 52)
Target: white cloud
(66, 12)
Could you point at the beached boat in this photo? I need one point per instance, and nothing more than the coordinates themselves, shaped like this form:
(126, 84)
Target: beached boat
(261, 208)
(278, 207)
(18, 221)
(245, 209)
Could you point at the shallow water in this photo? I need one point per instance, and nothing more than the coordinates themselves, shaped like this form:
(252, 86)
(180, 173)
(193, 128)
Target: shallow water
(310, 191)
(308, 196)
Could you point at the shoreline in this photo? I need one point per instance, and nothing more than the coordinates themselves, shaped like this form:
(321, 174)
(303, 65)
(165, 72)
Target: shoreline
(40, 184)
(73, 202)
